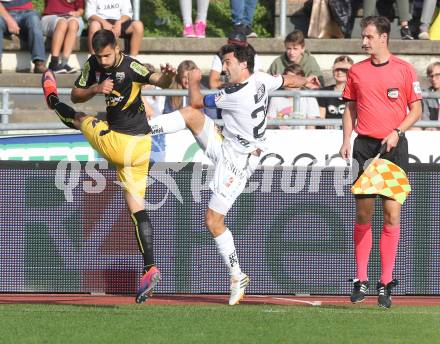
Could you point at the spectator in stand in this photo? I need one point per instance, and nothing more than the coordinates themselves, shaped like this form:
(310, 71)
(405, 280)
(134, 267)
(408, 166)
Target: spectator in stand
(181, 82)
(284, 107)
(62, 20)
(369, 7)
(154, 106)
(17, 17)
(242, 13)
(431, 106)
(216, 74)
(115, 16)
(198, 29)
(330, 107)
(428, 10)
(296, 52)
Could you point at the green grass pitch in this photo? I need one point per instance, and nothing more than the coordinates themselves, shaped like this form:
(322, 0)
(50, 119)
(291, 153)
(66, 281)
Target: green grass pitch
(36, 323)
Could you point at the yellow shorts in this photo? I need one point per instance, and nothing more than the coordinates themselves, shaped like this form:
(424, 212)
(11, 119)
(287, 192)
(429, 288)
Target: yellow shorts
(129, 153)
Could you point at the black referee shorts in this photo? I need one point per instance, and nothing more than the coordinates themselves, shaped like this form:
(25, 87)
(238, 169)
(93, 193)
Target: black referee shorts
(366, 148)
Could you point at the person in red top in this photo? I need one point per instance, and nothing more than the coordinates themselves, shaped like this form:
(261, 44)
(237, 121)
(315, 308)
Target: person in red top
(62, 21)
(379, 92)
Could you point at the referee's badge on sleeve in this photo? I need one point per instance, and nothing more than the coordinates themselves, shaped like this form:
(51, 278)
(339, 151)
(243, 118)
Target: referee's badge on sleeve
(393, 93)
(416, 87)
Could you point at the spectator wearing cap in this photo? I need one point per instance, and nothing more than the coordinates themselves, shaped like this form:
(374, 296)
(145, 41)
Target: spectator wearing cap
(216, 79)
(296, 52)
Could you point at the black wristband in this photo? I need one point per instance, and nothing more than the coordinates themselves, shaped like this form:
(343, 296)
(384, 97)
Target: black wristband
(399, 132)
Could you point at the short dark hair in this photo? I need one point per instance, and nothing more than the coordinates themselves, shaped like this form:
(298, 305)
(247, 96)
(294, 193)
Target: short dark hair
(295, 69)
(102, 38)
(241, 53)
(381, 23)
(295, 37)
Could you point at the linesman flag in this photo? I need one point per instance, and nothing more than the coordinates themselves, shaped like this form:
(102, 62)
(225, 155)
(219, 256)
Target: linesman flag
(382, 177)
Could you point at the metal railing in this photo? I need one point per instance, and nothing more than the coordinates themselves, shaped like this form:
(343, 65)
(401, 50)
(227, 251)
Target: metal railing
(6, 92)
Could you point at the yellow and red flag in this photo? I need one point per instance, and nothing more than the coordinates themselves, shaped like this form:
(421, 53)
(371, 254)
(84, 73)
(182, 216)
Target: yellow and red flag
(382, 177)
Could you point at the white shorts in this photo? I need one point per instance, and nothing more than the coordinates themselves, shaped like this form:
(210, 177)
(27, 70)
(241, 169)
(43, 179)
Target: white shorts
(49, 22)
(232, 168)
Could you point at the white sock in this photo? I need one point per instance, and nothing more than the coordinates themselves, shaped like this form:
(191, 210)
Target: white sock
(167, 123)
(226, 248)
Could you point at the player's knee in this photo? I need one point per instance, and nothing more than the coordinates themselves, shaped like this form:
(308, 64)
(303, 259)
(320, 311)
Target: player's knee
(390, 218)
(363, 215)
(214, 223)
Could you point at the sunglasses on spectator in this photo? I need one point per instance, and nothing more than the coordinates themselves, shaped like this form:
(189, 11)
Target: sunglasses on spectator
(432, 76)
(343, 70)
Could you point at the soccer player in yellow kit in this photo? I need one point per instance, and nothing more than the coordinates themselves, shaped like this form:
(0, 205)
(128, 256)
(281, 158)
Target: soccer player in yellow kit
(124, 138)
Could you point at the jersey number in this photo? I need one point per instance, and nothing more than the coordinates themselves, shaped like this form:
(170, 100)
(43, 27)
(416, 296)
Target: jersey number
(258, 132)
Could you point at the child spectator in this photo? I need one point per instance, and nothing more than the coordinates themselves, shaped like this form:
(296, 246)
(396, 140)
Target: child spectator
(117, 17)
(431, 106)
(296, 52)
(199, 28)
(62, 20)
(331, 107)
(284, 107)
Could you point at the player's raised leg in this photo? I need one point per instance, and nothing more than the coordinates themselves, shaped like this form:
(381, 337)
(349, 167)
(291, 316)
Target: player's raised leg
(66, 114)
(172, 122)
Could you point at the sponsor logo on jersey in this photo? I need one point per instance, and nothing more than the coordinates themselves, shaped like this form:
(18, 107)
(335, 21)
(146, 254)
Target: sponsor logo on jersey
(416, 87)
(120, 76)
(139, 68)
(260, 93)
(393, 93)
(242, 141)
(114, 98)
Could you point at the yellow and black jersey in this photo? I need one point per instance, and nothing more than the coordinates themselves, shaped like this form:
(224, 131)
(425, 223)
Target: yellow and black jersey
(125, 109)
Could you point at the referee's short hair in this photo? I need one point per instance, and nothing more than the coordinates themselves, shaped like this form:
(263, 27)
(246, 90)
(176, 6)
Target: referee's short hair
(103, 38)
(381, 23)
(241, 53)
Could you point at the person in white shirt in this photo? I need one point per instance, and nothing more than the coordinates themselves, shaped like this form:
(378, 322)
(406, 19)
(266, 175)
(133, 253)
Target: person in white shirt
(235, 151)
(115, 15)
(284, 107)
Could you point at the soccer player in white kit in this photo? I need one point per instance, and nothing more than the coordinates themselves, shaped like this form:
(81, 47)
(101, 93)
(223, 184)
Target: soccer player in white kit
(236, 151)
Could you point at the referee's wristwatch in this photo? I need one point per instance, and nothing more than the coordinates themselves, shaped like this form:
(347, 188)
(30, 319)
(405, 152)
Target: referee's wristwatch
(399, 132)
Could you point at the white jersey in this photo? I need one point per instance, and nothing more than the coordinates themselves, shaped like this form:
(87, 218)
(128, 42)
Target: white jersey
(109, 9)
(244, 109)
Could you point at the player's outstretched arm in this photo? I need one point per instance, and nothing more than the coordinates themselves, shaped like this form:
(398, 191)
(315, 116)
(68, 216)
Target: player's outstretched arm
(195, 96)
(296, 81)
(165, 77)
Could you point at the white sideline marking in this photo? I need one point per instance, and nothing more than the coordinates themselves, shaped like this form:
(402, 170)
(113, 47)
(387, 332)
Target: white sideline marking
(312, 303)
